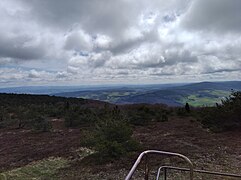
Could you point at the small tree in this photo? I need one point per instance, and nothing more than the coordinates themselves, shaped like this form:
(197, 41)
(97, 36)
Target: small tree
(78, 117)
(41, 124)
(70, 118)
(24, 117)
(112, 137)
(4, 118)
(187, 108)
(164, 118)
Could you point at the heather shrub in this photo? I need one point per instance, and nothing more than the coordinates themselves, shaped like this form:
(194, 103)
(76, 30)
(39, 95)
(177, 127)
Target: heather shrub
(41, 124)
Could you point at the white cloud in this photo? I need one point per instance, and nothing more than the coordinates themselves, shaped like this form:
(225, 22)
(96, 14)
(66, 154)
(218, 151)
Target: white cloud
(103, 41)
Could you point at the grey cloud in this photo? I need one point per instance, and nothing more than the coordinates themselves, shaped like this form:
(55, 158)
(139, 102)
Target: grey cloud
(123, 72)
(62, 75)
(20, 76)
(18, 48)
(73, 70)
(4, 61)
(95, 16)
(127, 45)
(213, 64)
(78, 41)
(91, 61)
(23, 39)
(177, 56)
(99, 59)
(106, 16)
(214, 15)
(169, 18)
(153, 56)
(162, 74)
(34, 74)
(226, 70)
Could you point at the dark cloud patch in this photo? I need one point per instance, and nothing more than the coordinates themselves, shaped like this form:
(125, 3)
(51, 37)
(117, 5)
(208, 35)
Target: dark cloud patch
(226, 70)
(162, 74)
(214, 15)
(94, 16)
(20, 48)
(182, 56)
(169, 18)
(127, 45)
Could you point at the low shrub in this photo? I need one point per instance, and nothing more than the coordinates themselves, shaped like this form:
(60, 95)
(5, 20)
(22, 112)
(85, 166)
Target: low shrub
(41, 124)
(112, 137)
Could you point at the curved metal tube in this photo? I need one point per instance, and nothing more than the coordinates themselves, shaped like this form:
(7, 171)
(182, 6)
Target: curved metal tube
(133, 169)
(197, 171)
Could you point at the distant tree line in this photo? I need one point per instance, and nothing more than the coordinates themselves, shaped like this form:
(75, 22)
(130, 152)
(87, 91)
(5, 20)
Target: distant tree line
(32, 111)
(23, 111)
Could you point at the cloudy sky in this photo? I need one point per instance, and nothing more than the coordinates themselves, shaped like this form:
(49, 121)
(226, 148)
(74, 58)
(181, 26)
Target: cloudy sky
(60, 42)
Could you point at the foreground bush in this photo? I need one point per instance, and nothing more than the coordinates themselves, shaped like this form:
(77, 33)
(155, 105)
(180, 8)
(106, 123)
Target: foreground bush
(225, 116)
(112, 137)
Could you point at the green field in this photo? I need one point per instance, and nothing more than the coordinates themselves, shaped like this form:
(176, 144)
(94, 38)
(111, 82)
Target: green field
(205, 98)
(108, 96)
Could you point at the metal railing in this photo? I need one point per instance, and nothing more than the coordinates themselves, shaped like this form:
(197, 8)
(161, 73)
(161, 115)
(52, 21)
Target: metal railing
(146, 153)
(165, 168)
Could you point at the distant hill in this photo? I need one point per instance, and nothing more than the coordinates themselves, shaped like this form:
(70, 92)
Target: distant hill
(48, 90)
(51, 90)
(196, 94)
(227, 85)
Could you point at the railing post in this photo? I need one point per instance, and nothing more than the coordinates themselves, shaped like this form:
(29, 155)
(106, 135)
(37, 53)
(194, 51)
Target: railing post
(146, 167)
(196, 171)
(133, 169)
(165, 173)
(202, 174)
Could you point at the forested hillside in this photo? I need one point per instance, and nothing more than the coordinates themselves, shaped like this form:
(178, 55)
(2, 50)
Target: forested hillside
(196, 94)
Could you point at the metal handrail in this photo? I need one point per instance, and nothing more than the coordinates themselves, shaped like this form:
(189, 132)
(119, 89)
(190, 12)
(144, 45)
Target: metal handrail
(164, 168)
(145, 153)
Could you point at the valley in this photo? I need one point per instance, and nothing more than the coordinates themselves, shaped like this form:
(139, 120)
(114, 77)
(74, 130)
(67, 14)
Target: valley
(196, 94)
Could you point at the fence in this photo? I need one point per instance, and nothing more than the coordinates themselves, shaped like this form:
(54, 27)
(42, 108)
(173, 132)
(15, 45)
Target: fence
(164, 169)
